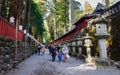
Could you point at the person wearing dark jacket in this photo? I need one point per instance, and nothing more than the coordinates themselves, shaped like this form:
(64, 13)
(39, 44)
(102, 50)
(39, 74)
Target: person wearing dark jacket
(38, 50)
(53, 52)
(49, 47)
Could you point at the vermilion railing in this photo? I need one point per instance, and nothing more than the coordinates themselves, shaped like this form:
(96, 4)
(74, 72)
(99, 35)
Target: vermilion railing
(9, 31)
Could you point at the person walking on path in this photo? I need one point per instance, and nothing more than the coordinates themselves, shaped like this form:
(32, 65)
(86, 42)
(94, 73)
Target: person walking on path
(60, 54)
(65, 52)
(38, 50)
(43, 49)
(53, 52)
(50, 47)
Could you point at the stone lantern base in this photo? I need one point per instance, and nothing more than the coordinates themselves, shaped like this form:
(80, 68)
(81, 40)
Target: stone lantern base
(105, 64)
(90, 60)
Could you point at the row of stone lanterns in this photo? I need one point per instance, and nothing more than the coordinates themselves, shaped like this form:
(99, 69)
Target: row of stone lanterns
(100, 33)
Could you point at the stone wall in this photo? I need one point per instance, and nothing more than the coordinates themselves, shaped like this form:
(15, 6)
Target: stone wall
(7, 53)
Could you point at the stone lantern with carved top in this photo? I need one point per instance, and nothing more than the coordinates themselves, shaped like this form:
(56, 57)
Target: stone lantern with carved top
(101, 34)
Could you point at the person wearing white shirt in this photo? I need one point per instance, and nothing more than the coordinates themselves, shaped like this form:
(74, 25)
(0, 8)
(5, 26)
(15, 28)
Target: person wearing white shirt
(65, 51)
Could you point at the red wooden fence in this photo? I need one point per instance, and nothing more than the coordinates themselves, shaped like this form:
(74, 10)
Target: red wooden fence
(81, 23)
(9, 31)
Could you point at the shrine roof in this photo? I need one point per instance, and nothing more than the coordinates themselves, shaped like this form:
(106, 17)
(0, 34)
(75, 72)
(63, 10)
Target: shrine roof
(99, 9)
(83, 18)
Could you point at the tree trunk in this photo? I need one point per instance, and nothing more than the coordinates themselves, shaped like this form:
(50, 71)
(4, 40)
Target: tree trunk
(71, 14)
(27, 14)
(0, 6)
(107, 3)
(65, 9)
(55, 25)
(16, 9)
(2, 11)
(28, 7)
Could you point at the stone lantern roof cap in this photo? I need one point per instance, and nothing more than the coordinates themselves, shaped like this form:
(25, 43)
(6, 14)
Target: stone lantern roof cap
(99, 19)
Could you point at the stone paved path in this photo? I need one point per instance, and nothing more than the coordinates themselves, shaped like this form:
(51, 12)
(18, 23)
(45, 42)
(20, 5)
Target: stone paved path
(42, 65)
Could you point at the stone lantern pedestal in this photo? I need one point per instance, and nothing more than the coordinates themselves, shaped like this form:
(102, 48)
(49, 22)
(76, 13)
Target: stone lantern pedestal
(101, 34)
(88, 44)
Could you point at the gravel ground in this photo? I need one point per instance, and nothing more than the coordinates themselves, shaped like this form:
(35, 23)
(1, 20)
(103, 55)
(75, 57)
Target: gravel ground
(42, 65)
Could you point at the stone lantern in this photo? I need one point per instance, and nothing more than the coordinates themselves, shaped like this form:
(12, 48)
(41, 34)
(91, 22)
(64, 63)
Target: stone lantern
(88, 44)
(101, 34)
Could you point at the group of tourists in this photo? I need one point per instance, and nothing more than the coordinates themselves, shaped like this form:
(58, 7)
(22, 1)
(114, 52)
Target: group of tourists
(60, 52)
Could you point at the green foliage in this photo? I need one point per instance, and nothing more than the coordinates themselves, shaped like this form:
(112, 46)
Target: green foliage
(78, 10)
(62, 12)
(87, 7)
(62, 16)
(37, 19)
(77, 5)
